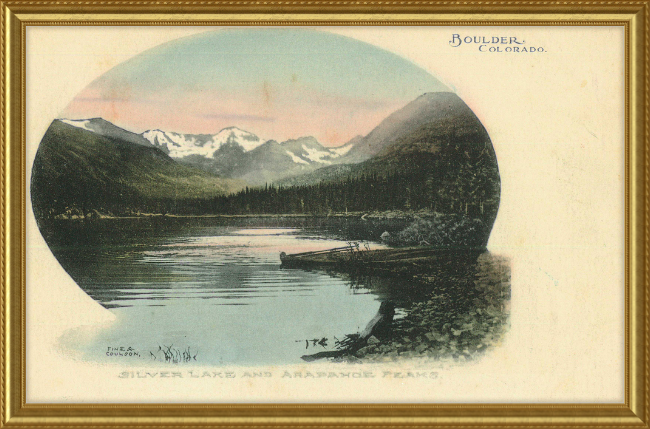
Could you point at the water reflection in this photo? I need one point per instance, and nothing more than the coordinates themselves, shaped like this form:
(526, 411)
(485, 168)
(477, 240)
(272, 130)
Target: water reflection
(216, 288)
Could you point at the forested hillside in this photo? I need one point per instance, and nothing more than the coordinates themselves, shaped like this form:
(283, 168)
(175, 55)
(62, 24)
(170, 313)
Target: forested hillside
(432, 155)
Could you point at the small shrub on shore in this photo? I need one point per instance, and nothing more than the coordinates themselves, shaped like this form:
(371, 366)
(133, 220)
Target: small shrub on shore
(442, 231)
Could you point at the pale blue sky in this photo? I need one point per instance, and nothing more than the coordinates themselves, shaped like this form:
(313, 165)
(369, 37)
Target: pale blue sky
(279, 83)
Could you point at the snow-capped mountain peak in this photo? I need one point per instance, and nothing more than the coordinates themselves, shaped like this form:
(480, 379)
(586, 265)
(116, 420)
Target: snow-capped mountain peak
(79, 123)
(317, 155)
(307, 150)
(232, 152)
(205, 145)
(104, 128)
(341, 150)
(245, 139)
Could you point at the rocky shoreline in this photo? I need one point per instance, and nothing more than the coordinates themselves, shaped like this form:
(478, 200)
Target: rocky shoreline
(465, 315)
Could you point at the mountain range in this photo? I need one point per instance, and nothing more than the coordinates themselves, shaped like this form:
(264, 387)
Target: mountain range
(266, 162)
(436, 132)
(232, 152)
(237, 153)
(93, 165)
(434, 152)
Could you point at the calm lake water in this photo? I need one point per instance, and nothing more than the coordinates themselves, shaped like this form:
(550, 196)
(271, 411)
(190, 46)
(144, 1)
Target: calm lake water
(211, 291)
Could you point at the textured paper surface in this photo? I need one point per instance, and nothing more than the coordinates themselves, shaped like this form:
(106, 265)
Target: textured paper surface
(556, 120)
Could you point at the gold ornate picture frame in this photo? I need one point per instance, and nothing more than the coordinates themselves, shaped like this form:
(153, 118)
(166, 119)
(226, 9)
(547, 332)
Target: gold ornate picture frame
(632, 17)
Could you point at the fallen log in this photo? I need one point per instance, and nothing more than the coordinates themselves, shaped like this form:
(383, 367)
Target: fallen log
(379, 326)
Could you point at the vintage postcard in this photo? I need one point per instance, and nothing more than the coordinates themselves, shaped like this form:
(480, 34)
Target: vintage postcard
(325, 214)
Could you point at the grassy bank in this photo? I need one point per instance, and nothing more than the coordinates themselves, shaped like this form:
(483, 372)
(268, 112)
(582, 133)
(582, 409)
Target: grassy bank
(74, 214)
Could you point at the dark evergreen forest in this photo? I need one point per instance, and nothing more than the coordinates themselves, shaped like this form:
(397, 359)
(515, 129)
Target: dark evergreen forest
(367, 192)
(426, 185)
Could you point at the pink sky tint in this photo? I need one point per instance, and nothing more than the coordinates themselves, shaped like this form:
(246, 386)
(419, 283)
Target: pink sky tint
(271, 113)
(278, 83)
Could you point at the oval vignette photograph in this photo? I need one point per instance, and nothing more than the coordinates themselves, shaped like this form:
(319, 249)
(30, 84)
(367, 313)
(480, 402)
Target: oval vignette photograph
(275, 196)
